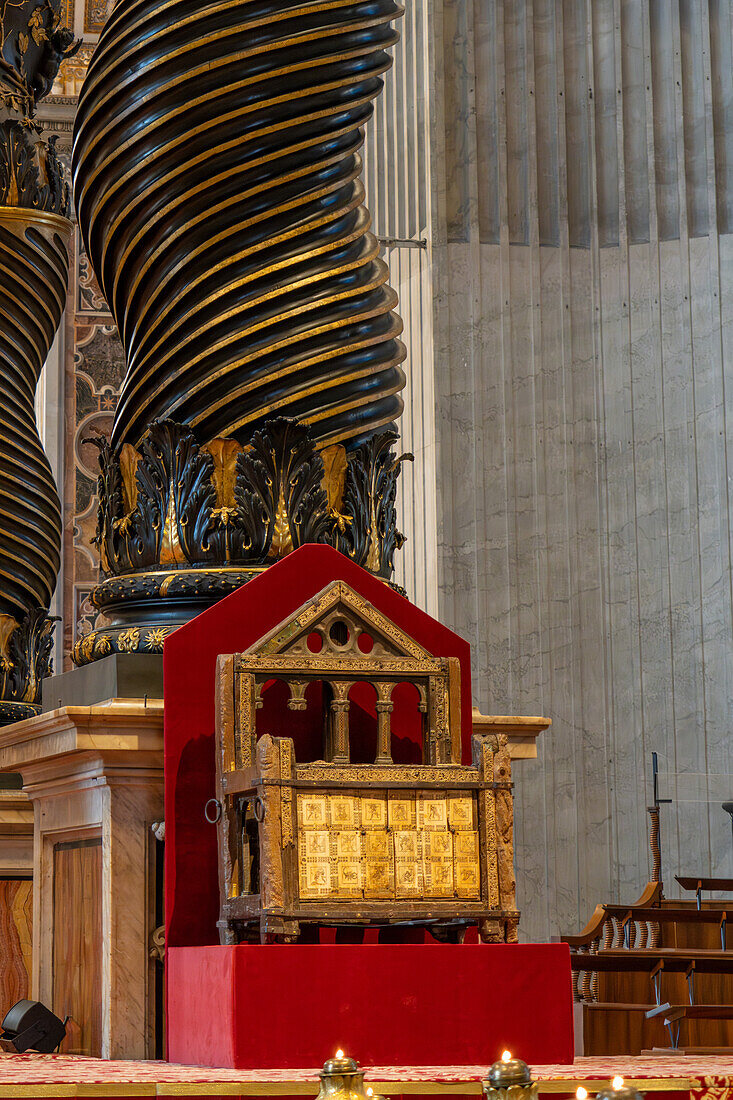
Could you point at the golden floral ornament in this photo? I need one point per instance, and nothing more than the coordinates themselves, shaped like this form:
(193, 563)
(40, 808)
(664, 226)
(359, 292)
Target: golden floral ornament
(85, 646)
(36, 27)
(129, 640)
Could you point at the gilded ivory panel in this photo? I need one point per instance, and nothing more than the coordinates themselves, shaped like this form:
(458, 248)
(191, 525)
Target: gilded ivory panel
(388, 845)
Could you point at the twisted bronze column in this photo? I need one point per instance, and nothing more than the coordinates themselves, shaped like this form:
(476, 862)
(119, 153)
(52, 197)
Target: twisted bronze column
(217, 185)
(34, 268)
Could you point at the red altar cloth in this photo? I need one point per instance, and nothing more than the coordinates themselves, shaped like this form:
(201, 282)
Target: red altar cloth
(53, 1075)
(291, 1005)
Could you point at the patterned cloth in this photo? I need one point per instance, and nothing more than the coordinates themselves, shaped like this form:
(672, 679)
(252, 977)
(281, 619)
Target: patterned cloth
(40, 1075)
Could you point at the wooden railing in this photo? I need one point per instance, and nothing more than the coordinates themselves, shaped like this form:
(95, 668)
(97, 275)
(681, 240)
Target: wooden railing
(605, 931)
(621, 941)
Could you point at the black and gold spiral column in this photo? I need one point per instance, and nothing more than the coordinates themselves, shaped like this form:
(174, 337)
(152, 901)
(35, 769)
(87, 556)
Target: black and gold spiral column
(34, 270)
(217, 185)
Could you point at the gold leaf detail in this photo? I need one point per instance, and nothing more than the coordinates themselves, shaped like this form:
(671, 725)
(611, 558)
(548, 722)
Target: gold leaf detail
(35, 26)
(373, 561)
(282, 540)
(224, 454)
(85, 649)
(154, 639)
(128, 640)
(170, 547)
(129, 459)
(335, 464)
(163, 591)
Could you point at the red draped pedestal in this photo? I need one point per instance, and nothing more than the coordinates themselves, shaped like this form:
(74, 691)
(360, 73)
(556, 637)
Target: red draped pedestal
(293, 1005)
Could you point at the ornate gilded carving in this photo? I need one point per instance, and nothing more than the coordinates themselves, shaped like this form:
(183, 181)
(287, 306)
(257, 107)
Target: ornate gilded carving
(369, 845)
(388, 637)
(281, 502)
(31, 174)
(176, 519)
(25, 649)
(410, 775)
(369, 534)
(32, 46)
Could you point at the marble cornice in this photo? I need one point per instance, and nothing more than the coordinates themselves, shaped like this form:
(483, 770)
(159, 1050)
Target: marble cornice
(114, 738)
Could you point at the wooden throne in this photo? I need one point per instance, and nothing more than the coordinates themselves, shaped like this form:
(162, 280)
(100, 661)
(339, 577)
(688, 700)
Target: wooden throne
(332, 841)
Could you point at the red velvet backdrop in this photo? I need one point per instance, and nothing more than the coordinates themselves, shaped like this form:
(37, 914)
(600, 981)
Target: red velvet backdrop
(191, 883)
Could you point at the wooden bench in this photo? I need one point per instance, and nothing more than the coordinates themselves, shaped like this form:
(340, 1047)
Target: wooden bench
(669, 958)
(699, 884)
(621, 943)
(674, 1015)
(593, 932)
(627, 915)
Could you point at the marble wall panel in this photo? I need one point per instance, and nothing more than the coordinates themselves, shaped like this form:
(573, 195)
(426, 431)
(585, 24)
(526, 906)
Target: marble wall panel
(583, 362)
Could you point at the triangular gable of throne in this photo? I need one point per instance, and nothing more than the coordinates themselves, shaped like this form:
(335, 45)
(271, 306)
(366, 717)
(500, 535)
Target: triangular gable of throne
(341, 619)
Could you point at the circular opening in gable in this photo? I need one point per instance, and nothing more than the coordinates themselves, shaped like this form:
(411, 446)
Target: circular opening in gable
(339, 633)
(365, 642)
(314, 642)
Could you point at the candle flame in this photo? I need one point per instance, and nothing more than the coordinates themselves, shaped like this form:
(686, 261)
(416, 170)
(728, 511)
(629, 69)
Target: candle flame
(506, 1056)
(618, 1082)
(339, 1053)
(581, 1093)
(370, 1092)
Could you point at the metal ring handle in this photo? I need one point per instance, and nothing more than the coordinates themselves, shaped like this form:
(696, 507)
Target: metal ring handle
(259, 809)
(212, 820)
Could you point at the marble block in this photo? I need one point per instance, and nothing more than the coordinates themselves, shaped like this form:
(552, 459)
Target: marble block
(94, 776)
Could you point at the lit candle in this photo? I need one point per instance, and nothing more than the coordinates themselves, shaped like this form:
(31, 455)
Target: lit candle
(340, 1063)
(342, 1079)
(374, 1095)
(619, 1090)
(581, 1093)
(510, 1073)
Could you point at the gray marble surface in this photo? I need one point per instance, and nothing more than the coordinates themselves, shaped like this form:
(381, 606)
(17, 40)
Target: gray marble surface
(583, 284)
